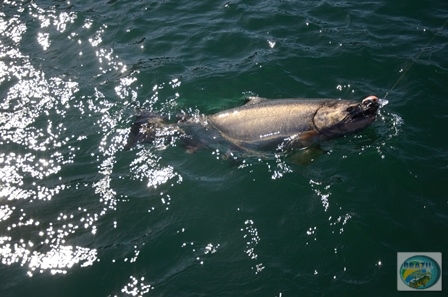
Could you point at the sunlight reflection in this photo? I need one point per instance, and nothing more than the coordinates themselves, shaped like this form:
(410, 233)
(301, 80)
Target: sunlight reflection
(43, 40)
(49, 17)
(136, 287)
(36, 148)
(146, 167)
(5, 212)
(322, 191)
(57, 260)
(251, 233)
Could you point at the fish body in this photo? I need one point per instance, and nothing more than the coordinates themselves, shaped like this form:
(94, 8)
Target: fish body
(273, 124)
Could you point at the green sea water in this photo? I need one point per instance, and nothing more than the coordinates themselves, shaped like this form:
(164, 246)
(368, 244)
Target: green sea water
(79, 216)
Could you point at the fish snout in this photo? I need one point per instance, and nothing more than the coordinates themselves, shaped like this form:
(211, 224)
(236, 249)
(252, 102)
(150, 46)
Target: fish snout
(371, 104)
(370, 100)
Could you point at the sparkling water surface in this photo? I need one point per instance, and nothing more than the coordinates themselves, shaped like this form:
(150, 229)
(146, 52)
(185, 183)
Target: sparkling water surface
(80, 216)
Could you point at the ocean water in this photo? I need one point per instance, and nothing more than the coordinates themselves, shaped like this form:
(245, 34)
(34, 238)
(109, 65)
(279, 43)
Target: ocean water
(79, 216)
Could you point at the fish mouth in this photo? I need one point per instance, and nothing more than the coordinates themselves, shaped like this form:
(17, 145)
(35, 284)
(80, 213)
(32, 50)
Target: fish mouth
(367, 108)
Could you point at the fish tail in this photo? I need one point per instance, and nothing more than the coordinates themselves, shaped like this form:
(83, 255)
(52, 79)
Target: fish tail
(143, 130)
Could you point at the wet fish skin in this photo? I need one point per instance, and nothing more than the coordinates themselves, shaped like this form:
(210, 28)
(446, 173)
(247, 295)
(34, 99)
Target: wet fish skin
(268, 124)
(263, 123)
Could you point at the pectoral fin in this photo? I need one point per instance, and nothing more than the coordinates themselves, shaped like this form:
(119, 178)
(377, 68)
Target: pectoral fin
(306, 156)
(304, 139)
(308, 135)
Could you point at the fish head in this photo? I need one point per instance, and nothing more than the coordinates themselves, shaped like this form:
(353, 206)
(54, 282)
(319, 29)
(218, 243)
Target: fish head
(341, 117)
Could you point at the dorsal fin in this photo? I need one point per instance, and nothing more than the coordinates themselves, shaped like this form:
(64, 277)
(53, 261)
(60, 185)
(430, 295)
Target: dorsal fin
(251, 100)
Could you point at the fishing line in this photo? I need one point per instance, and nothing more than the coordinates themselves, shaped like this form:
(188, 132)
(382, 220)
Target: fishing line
(416, 57)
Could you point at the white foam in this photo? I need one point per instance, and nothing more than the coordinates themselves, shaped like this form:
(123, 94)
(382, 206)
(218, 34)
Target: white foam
(383, 102)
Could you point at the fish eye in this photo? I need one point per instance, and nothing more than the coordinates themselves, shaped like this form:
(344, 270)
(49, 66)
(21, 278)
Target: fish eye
(350, 109)
(367, 102)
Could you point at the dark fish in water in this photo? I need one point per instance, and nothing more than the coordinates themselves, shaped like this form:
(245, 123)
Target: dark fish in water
(265, 125)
